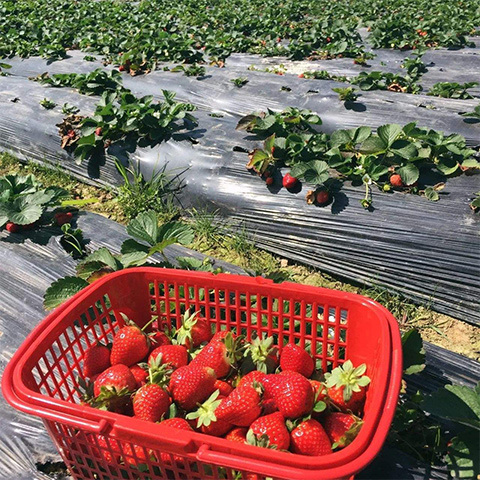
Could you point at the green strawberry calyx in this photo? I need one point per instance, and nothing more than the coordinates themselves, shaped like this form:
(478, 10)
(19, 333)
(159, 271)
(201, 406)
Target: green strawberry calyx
(350, 378)
(260, 351)
(205, 414)
(184, 333)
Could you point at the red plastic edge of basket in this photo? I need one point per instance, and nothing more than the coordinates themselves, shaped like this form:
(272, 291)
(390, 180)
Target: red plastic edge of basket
(44, 408)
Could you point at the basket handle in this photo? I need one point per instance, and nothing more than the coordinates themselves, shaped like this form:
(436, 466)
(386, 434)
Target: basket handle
(204, 454)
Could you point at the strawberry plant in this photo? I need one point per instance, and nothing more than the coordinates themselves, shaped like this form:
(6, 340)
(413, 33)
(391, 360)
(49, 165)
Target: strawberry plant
(239, 82)
(385, 81)
(452, 90)
(392, 158)
(475, 114)
(190, 70)
(47, 104)
(346, 94)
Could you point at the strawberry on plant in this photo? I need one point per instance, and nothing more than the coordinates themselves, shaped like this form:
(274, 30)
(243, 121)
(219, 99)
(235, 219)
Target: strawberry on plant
(296, 359)
(396, 181)
(194, 331)
(220, 354)
(269, 181)
(237, 434)
(289, 181)
(269, 431)
(342, 428)
(191, 384)
(173, 355)
(322, 197)
(95, 360)
(309, 438)
(130, 345)
(61, 218)
(12, 227)
(98, 131)
(346, 386)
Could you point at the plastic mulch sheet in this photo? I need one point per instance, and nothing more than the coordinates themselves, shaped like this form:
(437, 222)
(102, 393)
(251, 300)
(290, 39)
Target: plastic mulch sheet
(29, 263)
(427, 251)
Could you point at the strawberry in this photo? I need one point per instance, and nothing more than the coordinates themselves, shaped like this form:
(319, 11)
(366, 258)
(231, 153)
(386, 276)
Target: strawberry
(296, 359)
(302, 75)
(253, 376)
(238, 434)
(12, 227)
(61, 218)
(269, 431)
(220, 354)
(396, 181)
(309, 438)
(224, 388)
(242, 406)
(191, 384)
(173, 355)
(194, 331)
(289, 181)
(322, 197)
(98, 131)
(140, 374)
(269, 406)
(135, 455)
(95, 360)
(107, 449)
(157, 339)
(320, 397)
(180, 424)
(346, 386)
(71, 133)
(121, 68)
(262, 354)
(151, 402)
(342, 428)
(269, 180)
(292, 393)
(113, 387)
(130, 345)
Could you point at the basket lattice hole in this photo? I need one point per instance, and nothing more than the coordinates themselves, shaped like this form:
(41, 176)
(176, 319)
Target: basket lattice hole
(343, 316)
(341, 353)
(343, 335)
(332, 315)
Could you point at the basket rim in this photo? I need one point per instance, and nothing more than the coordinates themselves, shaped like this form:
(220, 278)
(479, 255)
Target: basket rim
(121, 424)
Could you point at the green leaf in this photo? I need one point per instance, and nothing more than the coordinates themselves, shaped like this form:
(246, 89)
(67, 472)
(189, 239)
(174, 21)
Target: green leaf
(413, 352)
(463, 455)
(22, 212)
(269, 142)
(340, 137)
(86, 269)
(447, 166)
(86, 140)
(404, 148)
(389, 133)
(409, 173)
(361, 134)
(145, 227)
(133, 253)
(471, 163)
(456, 403)
(62, 290)
(189, 263)
(102, 255)
(179, 232)
(431, 194)
(373, 145)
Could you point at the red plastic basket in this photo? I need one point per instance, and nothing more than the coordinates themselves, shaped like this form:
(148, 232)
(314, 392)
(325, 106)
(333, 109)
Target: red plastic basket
(41, 379)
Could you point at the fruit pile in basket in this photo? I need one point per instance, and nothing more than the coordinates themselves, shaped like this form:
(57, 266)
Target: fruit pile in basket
(219, 384)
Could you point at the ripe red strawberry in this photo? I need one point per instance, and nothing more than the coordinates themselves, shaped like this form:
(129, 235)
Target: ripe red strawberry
(157, 339)
(173, 355)
(12, 227)
(292, 393)
(130, 346)
(192, 384)
(221, 335)
(289, 181)
(269, 406)
(113, 387)
(61, 218)
(322, 196)
(309, 438)
(396, 181)
(346, 386)
(253, 376)
(140, 374)
(238, 434)
(107, 449)
(296, 359)
(136, 455)
(194, 331)
(95, 360)
(342, 428)
(263, 354)
(269, 180)
(302, 75)
(241, 407)
(270, 431)
(151, 402)
(98, 131)
(220, 355)
(224, 388)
